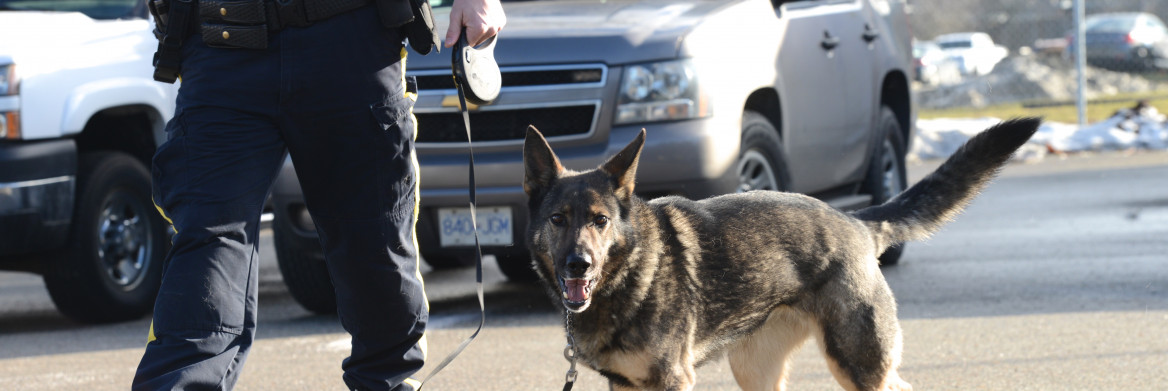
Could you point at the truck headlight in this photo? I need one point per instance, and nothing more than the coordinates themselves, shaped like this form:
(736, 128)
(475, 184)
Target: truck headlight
(660, 91)
(9, 120)
(8, 80)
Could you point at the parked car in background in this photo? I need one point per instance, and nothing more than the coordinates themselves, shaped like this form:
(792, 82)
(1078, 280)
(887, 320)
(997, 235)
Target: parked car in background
(975, 52)
(80, 117)
(809, 96)
(932, 66)
(1133, 41)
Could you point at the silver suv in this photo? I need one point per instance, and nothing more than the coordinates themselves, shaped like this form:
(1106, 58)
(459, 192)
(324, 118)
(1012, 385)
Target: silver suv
(807, 96)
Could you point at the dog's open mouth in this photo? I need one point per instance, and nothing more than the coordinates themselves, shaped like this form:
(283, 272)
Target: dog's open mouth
(577, 293)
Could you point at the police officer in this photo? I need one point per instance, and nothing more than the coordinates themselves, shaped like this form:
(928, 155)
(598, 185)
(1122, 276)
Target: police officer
(326, 84)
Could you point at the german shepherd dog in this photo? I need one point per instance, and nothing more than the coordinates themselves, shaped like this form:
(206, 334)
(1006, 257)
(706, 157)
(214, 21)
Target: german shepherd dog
(653, 289)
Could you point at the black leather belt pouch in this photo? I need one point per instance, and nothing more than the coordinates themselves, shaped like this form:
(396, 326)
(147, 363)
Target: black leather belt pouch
(229, 36)
(394, 13)
(160, 10)
(234, 23)
(233, 11)
(414, 19)
(420, 32)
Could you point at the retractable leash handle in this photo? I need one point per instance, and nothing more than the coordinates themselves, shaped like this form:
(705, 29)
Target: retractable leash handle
(477, 78)
(476, 71)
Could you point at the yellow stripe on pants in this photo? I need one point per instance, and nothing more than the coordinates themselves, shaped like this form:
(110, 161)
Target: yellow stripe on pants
(417, 208)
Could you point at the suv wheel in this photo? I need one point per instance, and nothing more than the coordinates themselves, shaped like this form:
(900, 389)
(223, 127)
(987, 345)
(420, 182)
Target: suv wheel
(761, 163)
(516, 265)
(440, 261)
(112, 266)
(301, 262)
(886, 173)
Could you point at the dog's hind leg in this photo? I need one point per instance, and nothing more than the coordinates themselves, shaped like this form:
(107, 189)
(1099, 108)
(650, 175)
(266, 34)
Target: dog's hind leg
(861, 338)
(759, 361)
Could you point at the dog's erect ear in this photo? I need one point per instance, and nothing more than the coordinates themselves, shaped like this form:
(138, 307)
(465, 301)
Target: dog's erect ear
(623, 167)
(541, 166)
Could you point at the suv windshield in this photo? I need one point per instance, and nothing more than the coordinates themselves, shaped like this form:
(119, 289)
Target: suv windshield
(96, 9)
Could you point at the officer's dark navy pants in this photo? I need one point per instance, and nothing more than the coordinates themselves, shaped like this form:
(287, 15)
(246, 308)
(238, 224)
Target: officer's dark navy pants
(333, 96)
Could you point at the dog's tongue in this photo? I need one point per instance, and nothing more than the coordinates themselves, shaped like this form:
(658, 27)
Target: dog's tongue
(577, 289)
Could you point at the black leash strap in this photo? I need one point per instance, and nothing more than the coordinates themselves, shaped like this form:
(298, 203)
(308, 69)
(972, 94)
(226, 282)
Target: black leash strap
(474, 225)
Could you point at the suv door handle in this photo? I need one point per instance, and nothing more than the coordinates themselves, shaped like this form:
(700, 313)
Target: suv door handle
(869, 33)
(829, 42)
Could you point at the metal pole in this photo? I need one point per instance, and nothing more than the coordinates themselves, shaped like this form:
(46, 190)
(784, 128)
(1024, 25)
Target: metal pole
(1081, 62)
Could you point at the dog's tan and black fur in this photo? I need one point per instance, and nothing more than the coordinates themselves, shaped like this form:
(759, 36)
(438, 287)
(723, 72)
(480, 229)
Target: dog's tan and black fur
(656, 288)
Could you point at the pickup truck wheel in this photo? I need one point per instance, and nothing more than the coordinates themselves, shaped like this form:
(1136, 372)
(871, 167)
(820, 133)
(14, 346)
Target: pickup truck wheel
(761, 162)
(112, 266)
(302, 265)
(516, 265)
(886, 173)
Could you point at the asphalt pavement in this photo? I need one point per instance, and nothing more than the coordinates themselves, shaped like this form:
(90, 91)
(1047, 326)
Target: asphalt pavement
(1055, 278)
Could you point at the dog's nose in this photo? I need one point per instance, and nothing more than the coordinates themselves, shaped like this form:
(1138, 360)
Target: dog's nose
(578, 264)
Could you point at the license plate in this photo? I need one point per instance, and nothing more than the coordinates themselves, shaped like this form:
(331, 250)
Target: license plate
(456, 229)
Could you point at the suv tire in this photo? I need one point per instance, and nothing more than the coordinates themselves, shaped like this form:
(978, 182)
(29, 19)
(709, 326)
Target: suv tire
(515, 264)
(761, 163)
(886, 173)
(111, 267)
(302, 264)
(440, 261)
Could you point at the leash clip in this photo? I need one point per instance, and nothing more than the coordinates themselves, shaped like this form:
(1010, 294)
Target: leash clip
(570, 378)
(570, 355)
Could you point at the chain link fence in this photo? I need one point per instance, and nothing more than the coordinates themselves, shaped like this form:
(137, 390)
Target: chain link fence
(1010, 57)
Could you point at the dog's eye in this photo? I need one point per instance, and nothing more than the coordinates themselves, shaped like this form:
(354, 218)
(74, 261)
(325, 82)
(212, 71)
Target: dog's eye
(557, 219)
(600, 221)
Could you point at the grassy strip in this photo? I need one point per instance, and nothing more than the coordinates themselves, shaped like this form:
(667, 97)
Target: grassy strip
(1068, 113)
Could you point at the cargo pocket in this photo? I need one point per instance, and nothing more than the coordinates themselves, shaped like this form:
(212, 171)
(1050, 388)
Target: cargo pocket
(396, 174)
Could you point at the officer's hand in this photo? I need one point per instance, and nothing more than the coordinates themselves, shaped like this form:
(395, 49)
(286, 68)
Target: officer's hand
(482, 18)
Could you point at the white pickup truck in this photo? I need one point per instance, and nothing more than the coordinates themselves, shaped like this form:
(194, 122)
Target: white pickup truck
(975, 53)
(80, 117)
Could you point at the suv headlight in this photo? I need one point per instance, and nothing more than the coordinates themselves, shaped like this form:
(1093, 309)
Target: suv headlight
(660, 91)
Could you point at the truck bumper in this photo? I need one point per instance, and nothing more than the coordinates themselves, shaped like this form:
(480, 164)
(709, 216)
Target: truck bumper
(37, 182)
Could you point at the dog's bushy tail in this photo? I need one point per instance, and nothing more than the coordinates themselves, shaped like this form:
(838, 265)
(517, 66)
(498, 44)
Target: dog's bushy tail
(921, 210)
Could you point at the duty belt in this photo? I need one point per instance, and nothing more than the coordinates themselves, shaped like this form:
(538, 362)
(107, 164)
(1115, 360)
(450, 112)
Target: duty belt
(241, 24)
(246, 23)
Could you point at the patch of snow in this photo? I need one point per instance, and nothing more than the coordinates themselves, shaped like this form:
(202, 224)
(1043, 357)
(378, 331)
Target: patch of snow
(1140, 127)
(1032, 79)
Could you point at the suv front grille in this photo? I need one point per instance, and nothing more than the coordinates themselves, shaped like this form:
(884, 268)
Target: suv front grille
(502, 125)
(524, 77)
(509, 121)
